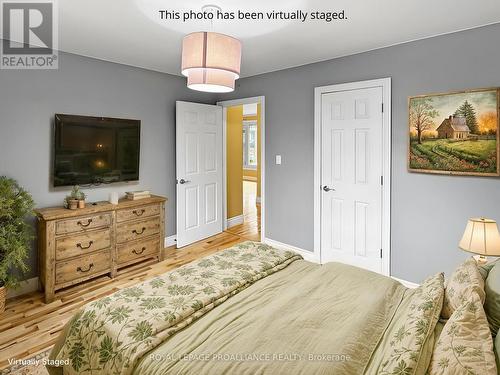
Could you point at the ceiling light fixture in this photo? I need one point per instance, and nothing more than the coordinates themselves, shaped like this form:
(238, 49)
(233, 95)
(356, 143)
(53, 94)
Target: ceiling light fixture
(211, 61)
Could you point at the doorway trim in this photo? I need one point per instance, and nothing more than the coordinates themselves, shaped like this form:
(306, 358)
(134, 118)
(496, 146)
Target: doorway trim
(262, 154)
(385, 83)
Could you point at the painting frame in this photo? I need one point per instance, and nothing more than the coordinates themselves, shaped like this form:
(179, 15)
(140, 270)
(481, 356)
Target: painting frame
(496, 173)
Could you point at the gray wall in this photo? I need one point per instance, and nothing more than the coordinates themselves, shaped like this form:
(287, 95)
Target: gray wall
(429, 212)
(29, 99)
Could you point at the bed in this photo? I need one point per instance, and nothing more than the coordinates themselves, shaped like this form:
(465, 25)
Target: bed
(255, 309)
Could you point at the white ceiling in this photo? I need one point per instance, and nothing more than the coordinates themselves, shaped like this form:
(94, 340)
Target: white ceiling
(130, 31)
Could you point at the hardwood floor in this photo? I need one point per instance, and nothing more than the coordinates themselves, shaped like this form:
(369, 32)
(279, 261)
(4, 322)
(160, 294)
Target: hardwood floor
(28, 326)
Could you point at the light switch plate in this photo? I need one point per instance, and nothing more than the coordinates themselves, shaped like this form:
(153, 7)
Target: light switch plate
(278, 159)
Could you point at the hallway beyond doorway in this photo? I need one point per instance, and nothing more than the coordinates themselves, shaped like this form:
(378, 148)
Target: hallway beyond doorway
(251, 212)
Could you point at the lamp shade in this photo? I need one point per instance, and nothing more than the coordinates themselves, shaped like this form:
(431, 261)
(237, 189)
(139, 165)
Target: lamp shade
(481, 237)
(211, 61)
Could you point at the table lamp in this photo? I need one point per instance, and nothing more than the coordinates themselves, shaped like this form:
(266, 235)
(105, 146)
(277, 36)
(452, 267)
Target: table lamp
(481, 237)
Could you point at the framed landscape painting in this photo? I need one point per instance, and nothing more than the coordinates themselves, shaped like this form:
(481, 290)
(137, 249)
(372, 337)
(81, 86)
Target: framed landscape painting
(455, 133)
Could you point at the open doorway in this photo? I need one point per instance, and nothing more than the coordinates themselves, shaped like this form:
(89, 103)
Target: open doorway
(243, 136)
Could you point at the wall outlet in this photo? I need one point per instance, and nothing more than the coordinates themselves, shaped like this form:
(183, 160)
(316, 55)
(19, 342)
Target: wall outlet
(278, 159)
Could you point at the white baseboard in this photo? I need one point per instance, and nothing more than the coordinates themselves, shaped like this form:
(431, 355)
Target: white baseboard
(307, 255)
(170, 240)
(25, 287)
(407, 284)
(235, 220)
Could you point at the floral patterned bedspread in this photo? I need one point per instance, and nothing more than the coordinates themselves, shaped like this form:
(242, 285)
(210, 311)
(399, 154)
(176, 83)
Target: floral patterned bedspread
(110, 335)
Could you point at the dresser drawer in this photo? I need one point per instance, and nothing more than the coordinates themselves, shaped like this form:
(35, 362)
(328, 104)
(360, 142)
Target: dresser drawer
(138, 250)
(82, 244)
(137, 230)
(83, 224)
(83, 267)
(137, 212)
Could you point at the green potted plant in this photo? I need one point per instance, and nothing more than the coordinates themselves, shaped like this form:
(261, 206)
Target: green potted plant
(72, 200)
(81, 199)
(16, 234)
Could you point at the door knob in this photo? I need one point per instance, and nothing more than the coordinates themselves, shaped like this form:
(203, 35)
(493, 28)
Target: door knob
(327, 189)
(183, 181)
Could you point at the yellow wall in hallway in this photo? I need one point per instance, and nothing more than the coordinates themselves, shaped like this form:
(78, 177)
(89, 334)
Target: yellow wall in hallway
(234, 161)
(234, 149)
(251, 172)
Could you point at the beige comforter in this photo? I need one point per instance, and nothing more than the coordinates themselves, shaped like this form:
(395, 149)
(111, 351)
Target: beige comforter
(306, 319)
(270, 314)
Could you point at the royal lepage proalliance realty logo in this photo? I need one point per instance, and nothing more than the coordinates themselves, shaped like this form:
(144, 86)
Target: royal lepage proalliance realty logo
(29, 35)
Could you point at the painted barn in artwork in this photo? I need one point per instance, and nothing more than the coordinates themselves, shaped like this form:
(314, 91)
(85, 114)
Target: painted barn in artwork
(453, 127)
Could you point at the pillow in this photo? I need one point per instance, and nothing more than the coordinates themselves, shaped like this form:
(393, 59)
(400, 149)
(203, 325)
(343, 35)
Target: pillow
(492, 303)
(484, 269)
(465, 346)
(464, 281)
(412, 330)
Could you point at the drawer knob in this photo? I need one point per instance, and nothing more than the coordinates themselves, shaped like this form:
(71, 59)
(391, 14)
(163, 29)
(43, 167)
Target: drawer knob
(85, 247)
(139, 252)
(139, 213)
(80, 269)
(85, 225)
(141, 232)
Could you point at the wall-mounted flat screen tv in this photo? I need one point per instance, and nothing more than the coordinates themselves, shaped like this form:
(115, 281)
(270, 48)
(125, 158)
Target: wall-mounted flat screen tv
(95, 150)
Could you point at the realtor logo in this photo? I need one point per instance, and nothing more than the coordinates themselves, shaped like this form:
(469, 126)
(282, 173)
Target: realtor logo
(29, 33)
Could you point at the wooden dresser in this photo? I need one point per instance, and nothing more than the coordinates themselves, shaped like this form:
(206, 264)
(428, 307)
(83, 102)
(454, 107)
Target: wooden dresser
(77, 245)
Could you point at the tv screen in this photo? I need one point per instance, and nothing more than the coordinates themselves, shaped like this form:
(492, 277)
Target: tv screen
(95, 150)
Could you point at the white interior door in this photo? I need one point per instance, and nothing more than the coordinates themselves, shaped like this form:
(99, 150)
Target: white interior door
(199, 171)
(351, 173)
